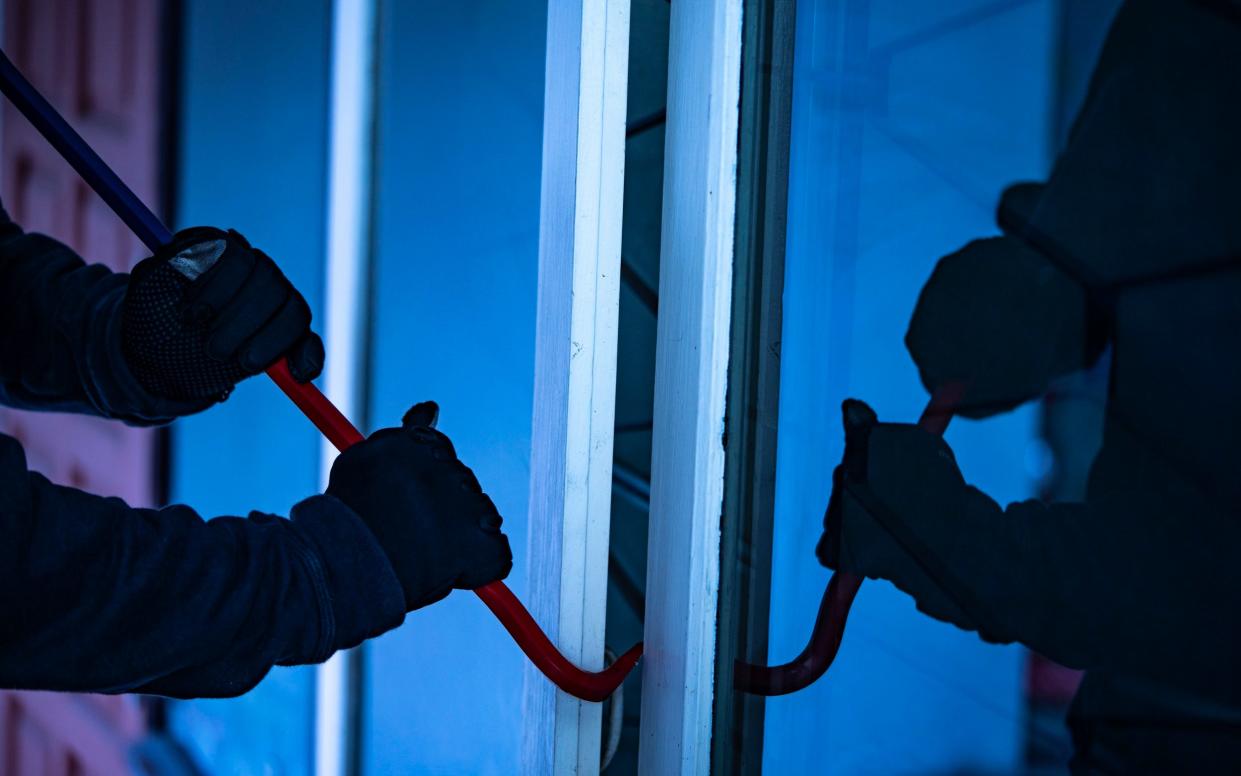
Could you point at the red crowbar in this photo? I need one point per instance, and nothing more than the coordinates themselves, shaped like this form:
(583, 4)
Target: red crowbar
(829, 625)
(329, 420)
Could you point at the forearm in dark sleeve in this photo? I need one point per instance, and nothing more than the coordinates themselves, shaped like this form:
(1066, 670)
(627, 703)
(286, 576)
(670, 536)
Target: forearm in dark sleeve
(105, 598)
(1103, 584)
(60, 339)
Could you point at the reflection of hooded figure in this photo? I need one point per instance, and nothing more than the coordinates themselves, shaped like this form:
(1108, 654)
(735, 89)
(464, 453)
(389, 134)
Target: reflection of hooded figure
(1133, 243)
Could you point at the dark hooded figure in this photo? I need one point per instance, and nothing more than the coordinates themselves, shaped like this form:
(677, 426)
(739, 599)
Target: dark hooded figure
(96, 595)
(1131, 249)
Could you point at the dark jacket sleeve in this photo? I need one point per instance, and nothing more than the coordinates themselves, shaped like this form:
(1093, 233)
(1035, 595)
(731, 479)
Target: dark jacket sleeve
(97, 596)
(60, 338)
(1128, 581)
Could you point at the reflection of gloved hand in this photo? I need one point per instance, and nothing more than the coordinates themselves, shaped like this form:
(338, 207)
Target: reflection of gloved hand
(426, 508)
(1001, 320)
(867, 530)
(208, 311)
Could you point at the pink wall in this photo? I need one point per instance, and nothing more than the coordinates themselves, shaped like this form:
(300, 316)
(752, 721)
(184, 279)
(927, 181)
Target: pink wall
(97, 62)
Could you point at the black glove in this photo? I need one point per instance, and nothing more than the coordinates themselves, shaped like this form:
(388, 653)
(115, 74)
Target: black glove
(1001, 320)
(208, 311)
(426, 508)
(885, 464)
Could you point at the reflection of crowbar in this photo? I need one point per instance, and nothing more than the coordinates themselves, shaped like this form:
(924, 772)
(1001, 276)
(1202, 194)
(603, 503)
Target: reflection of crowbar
(829, 625)
(329, 420)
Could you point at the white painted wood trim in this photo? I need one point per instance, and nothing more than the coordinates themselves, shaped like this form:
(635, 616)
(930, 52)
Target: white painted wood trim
(691, 372)
(350, 156)
(575, 366)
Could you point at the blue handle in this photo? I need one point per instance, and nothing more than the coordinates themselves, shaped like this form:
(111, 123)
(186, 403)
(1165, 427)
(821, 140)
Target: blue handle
(95, 171)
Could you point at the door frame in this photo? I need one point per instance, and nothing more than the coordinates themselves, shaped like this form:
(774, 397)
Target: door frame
(691, 374)
(578, 309)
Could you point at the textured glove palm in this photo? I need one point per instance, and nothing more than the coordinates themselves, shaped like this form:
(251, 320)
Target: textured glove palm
(426, 508)
(208, 311)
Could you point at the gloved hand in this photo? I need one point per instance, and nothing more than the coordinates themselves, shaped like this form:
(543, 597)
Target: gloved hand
(867, 529)
(859, 419)
(426, 508)
(208, 311)
(1001, 320)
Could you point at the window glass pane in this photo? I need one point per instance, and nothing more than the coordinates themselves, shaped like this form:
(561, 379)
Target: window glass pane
(459, 150)
(907, 122)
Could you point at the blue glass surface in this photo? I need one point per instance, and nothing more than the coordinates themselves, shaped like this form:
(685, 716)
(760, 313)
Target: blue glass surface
(252, 156)
(459, 159)
(908, 121)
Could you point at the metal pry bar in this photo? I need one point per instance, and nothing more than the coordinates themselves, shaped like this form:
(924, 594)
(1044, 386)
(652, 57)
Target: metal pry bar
(829, 625)
(515, 618)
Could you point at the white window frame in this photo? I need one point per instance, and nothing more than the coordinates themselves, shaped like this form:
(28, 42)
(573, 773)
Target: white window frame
(575, 380)
(575, 367)
(691, 373)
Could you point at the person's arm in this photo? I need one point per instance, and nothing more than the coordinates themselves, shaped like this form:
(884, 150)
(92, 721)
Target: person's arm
(171, 339)
(97, 596)
(60, 341)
